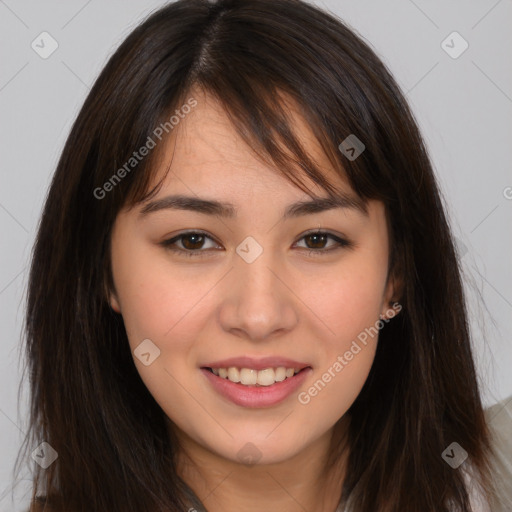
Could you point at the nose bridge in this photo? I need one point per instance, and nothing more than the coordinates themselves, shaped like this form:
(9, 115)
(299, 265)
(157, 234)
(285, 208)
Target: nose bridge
(253, 264)
(256, 281)
(257, 303)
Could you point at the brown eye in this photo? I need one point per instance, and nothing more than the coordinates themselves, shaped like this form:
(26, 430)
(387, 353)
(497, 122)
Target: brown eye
(192, 241)
(190, 244)
(317, 242)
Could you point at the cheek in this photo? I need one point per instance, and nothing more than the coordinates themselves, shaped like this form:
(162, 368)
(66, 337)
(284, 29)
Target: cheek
(170, 309)
(351, 313)
(155, 307)
(349, 305)
(351, 300)
(156, 299)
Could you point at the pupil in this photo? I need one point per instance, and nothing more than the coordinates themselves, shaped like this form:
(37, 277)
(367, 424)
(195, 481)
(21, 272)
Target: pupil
(317, 237)
(193, 245)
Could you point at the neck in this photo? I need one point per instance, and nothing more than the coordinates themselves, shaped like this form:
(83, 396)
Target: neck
(302, 482)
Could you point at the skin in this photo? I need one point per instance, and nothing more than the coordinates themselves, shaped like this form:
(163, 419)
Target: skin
(288, 302)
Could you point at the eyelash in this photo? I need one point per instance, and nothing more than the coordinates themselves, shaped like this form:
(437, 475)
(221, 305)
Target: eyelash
(168, 244)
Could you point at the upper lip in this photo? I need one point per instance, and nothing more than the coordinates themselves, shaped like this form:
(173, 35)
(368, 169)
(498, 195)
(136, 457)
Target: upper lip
(256, 364)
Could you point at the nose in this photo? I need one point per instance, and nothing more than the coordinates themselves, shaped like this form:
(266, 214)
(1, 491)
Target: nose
(258, 301)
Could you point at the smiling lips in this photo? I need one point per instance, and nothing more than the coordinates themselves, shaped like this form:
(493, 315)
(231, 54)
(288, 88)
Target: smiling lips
(249, 377)
(256, 382)
(252, 372)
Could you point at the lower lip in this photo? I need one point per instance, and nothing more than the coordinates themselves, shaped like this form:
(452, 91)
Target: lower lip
(256, 396)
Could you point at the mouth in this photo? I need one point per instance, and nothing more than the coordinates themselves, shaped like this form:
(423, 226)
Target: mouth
(252, 377)
(251, 388)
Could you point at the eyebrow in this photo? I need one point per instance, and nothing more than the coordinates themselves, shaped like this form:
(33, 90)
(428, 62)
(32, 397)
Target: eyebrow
(228, 210)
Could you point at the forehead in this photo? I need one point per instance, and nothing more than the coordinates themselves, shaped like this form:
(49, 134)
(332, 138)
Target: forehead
(206, 149)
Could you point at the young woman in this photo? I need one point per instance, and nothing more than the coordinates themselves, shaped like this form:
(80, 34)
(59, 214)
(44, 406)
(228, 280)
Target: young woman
(244, 293)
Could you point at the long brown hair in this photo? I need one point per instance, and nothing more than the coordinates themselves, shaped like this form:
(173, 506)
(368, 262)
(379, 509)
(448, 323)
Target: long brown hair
(87, 399)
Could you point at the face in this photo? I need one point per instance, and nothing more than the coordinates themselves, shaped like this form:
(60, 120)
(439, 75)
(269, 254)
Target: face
(252, 289)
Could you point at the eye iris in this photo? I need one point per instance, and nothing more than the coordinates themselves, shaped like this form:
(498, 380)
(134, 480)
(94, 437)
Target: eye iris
(316, 237)
(199, 240)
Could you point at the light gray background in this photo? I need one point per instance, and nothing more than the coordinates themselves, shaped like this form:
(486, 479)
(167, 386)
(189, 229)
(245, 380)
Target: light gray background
(463, 106)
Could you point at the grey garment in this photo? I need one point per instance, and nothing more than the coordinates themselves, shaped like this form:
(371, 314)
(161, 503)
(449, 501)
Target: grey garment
(340, 509)
(194, 503)
(499, 419)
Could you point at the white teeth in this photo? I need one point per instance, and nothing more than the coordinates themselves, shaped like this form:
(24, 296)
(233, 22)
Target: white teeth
(266, 377)
(251, 377)
(233, 374)
(280, 374)
(248, 377)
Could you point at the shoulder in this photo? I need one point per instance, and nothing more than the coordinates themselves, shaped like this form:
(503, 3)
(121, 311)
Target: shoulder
(499, 419)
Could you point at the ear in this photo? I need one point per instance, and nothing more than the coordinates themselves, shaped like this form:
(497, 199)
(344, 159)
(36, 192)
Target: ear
(114, 302)
(109, 292)
(392, 295)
